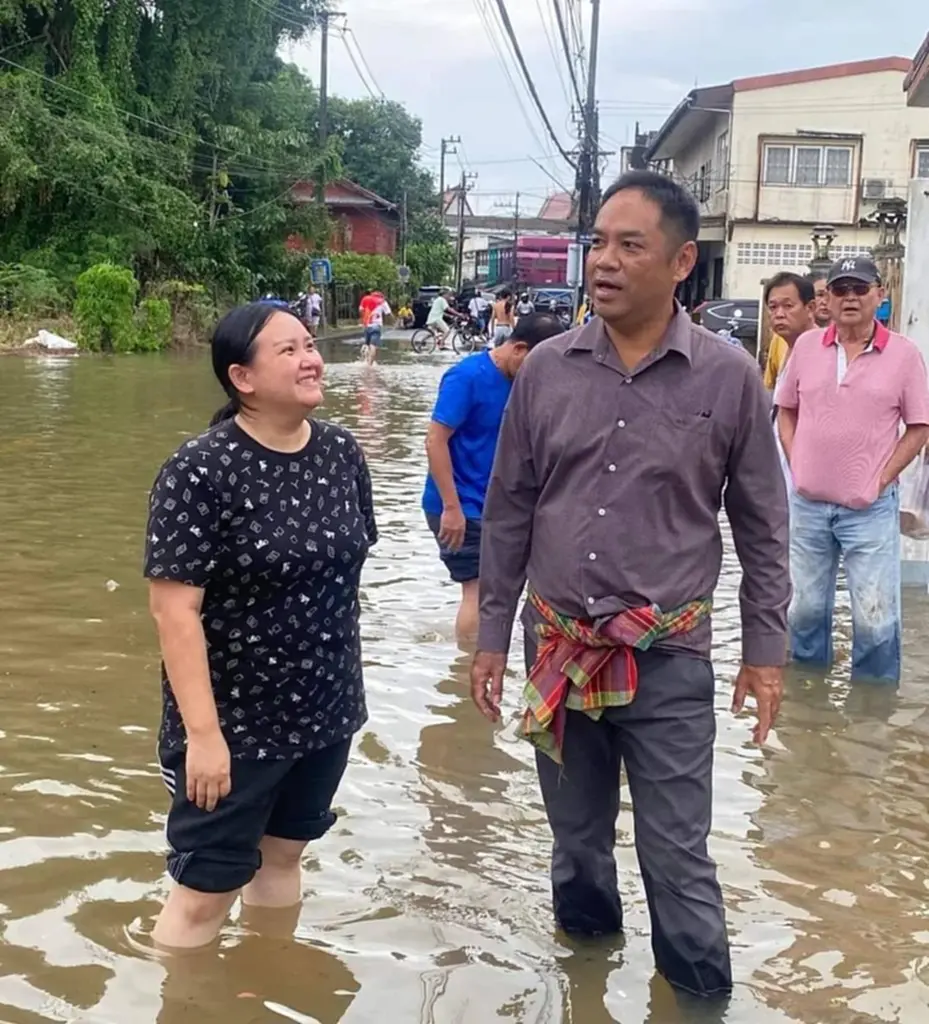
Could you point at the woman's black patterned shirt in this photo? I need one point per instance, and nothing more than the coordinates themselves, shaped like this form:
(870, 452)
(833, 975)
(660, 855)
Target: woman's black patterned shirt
(277, 542)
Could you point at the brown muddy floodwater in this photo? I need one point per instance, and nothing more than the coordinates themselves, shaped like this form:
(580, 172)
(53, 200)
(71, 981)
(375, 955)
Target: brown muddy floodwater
(428, 904)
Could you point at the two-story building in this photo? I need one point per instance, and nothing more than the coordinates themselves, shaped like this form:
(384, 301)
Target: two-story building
(769, 158)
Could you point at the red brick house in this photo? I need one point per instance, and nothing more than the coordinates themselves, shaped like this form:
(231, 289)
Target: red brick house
(363, 222)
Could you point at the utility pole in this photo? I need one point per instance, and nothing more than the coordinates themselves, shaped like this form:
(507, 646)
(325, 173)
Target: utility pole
(404, 226)
(516, 226)
(464, 188)
(446, 150)
(588, 164)
(325, 15)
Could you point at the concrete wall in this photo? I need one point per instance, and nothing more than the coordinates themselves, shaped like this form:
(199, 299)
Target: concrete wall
(704, 154)
(758, 251)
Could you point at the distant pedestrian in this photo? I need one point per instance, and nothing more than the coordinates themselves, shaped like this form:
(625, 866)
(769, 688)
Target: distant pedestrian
(314, 308)
(374, 308)
(845, 395)
(504, 316)
(257, 533)
(619, 441)
(525, 306)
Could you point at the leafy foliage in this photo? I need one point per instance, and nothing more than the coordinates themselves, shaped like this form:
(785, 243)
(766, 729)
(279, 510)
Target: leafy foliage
(154, 325)
(164, 136)
(29, 291)
(367, 271)
(105, 309)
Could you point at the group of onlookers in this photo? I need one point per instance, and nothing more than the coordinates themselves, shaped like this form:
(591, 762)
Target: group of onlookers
(852, 412)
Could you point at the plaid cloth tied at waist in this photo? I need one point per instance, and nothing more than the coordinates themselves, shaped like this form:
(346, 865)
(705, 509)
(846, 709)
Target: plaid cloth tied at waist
(581, 668)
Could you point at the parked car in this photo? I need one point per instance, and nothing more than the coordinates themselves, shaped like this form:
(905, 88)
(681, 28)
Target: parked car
(735, 317)
(422, 303)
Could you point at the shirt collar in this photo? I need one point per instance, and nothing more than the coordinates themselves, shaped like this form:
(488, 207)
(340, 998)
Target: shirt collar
(677, 338)
(879, 342)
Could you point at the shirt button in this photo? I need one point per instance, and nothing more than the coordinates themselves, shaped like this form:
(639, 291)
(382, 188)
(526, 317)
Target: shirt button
(592, 557)
(601, 512)
(612, 468)
(590, 600)
(621, 424)
(628, 380)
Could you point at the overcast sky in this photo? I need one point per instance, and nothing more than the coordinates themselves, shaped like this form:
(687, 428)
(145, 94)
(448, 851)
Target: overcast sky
(440, 58)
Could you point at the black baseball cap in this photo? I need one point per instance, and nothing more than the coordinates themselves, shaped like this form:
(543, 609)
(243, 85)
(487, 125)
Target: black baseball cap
(856, 268)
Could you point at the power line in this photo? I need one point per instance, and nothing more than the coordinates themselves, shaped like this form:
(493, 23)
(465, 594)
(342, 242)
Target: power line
(364, 61)
(554, 52)
(530, 84)
(485, 18)
(566, 46)
(357, 67)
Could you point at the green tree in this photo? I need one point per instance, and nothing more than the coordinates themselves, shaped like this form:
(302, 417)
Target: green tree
(165, 136)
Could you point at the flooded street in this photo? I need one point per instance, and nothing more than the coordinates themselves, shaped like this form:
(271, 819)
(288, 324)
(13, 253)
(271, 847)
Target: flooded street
(429, 902)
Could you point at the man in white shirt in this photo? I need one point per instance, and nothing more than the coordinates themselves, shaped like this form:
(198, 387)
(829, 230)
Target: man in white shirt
(479, 310)
(314, 309)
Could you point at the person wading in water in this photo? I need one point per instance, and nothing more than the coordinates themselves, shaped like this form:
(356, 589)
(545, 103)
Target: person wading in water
(619, 443)
(258, 530)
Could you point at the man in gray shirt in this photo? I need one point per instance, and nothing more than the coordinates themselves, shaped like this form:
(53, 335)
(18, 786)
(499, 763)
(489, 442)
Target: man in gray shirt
(621, 442)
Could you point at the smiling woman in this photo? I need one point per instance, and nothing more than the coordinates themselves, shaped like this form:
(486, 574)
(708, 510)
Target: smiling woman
(258, 531)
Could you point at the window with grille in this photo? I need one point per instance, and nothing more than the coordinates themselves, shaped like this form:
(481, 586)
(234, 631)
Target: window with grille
(808, 166)
(777, 165)
(922, 162)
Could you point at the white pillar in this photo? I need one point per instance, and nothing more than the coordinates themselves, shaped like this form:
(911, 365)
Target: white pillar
(914, 323)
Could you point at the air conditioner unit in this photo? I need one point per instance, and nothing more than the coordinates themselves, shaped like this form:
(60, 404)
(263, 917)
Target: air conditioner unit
(874, 188)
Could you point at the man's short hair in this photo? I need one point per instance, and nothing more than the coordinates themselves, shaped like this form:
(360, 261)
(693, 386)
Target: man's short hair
(804, 286)
(535, 328)
(680, 215)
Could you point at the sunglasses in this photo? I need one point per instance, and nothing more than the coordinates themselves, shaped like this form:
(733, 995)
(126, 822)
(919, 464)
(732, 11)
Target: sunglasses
(842, 288)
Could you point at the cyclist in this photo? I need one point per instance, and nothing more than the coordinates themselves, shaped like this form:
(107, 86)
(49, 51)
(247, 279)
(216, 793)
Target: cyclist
(435, 322)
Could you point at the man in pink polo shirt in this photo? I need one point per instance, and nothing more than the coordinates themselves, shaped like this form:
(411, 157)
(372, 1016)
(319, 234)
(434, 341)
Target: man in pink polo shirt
(841, 403)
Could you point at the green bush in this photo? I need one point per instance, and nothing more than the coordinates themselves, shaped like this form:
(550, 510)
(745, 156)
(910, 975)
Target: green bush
(105, 309)
(193, 311)
(154, 327)
(29, 291)
(367, 271)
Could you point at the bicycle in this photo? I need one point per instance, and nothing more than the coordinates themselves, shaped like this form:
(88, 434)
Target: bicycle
(465, 338)
(423, 341)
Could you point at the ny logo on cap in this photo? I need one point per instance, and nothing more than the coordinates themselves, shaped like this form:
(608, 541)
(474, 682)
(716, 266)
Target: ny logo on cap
(849, 265)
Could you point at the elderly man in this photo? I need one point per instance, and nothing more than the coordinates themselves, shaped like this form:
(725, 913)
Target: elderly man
(620, 442)
(844, 396)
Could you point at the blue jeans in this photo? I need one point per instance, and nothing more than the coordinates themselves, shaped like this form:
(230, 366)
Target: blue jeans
(868, 541)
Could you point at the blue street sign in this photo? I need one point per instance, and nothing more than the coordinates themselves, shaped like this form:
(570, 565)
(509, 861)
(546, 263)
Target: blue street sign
(320, 271)
(403, 273)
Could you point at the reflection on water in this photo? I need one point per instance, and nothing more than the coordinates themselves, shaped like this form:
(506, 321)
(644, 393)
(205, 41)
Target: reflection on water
(429, 902)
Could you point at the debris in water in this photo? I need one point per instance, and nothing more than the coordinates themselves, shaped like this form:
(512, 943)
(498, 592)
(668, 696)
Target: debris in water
(112, 585)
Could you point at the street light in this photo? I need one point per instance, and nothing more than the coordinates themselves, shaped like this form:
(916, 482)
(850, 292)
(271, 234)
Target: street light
(823, 236)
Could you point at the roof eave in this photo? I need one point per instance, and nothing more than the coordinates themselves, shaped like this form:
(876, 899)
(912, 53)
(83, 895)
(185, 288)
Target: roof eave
(696, 101)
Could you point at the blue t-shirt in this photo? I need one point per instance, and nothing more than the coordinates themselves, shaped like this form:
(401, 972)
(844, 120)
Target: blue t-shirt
(472, 397)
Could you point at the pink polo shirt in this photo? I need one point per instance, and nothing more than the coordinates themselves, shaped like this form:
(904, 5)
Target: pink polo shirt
(848, 417)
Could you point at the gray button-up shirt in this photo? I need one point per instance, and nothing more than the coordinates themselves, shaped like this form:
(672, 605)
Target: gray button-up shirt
(608, 483)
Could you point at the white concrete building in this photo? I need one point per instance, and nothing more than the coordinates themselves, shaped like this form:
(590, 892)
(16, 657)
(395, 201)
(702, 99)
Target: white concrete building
(770, 157)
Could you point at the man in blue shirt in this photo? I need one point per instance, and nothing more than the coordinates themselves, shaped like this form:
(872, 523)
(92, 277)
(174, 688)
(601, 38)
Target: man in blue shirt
(460, 445)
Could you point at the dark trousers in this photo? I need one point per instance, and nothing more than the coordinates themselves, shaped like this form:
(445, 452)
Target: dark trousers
(665, 739)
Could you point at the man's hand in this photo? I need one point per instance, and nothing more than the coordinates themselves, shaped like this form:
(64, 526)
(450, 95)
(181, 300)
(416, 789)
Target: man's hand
(487, 683)
(766, 684)
(452, 528)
